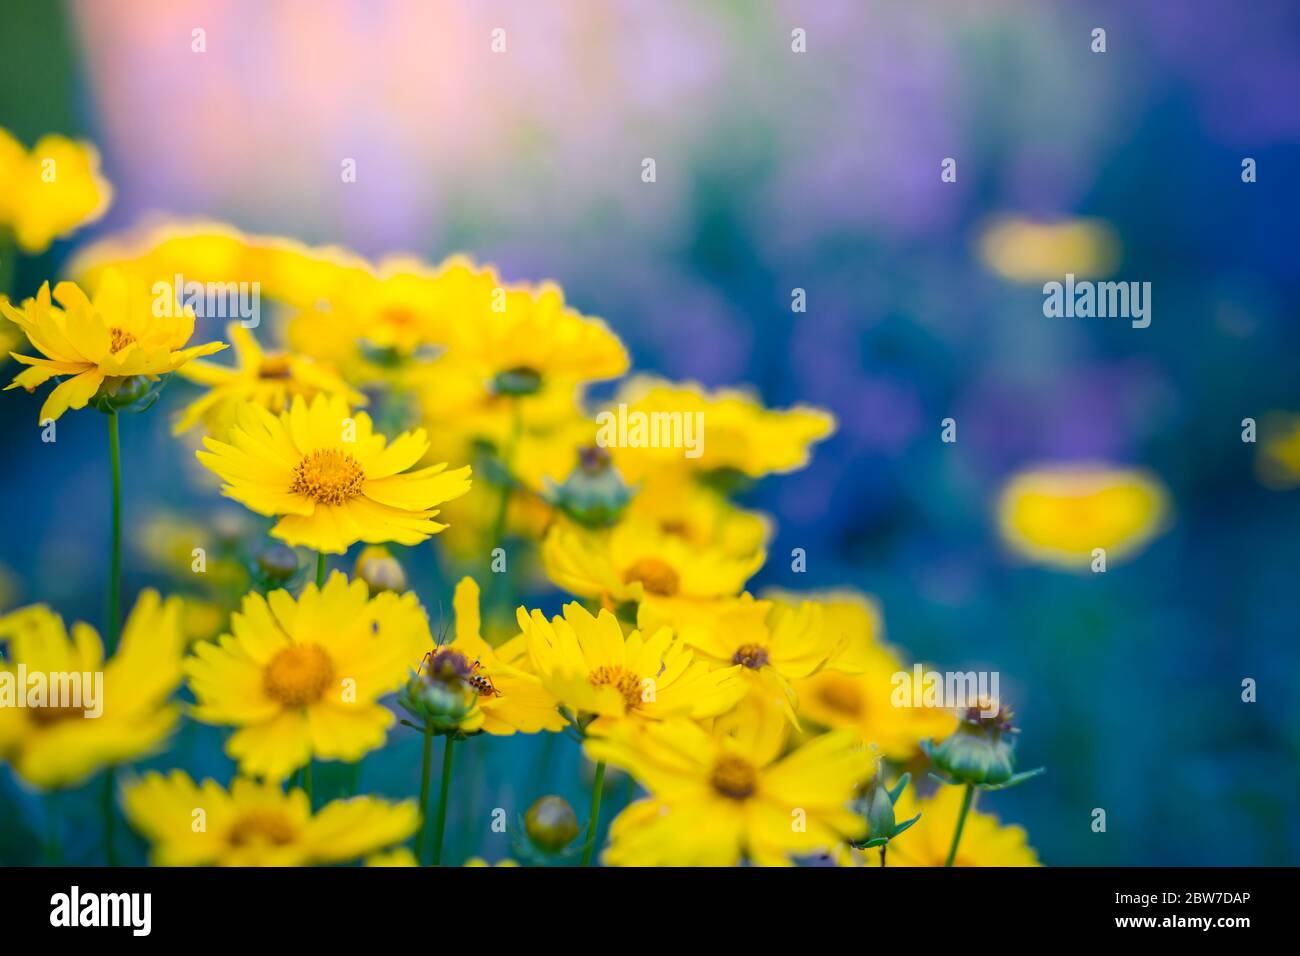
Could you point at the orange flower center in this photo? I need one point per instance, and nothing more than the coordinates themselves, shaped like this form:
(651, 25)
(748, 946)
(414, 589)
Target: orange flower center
(298, 675)
(119, 339)
(626, 683)
(260, 826)
(45, 716)
(734, 777)
(328, 476)
(841, 696)
(752, 656)
(655, 575)
(274, 366)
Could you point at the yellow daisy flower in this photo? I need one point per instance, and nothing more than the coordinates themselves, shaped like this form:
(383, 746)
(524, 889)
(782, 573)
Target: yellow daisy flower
(1060, 515)
(329, 477)
(984, 841)
(49, 191)
(863, 700)
(740, 436)
(773, 644)
(499, 698)
(531, 339)
(302, 679)
(717, 799)
(100, 343)
(638, 561)
(60, 746)
(593, 669)
(269, 379)
(257, 824)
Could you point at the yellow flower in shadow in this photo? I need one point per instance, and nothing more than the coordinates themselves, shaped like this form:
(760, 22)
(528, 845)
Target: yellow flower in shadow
(257, 824)
(62, 742)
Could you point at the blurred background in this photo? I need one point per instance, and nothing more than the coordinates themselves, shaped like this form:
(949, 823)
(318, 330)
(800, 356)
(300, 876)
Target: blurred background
(779, 170)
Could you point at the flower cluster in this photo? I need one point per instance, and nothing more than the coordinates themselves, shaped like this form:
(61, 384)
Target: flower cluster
(758, 727)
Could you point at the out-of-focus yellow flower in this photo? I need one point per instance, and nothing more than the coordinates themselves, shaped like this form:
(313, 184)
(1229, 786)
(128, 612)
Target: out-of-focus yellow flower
(269, 379)
(532, 339)
(1060, 515)
(256, 824)
(286, 270)
(50, 191)
(479, 861)
(720, 798)
(100, 343)
(302, 679)
(61, 743)
(1020, 250)
(592, 669)
(1278, 461)
(637, 561)
(701, 516)
(496, 697)
(401, 856)
(984, 841)
(329, 477)
(370, 320)
(774, 644)
(864, 700)
(740, 436)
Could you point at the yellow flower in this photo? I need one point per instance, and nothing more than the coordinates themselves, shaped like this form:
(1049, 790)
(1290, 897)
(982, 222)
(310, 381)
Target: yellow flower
(329, 477)
(269, 379)
(479, 861)
(1278, 462)
(863, 700)
(1059, 515)
(500, 698)
(303, 678)
(50, 191)
(532, 339)
(1020, 250)
(740, 436)
(699, 515)
(256, 824)
(58, 746)
(98, 343)
(719, 798)
(402, 856)
(773, 644)
(984, 841)
(588, 664)
(636, 560)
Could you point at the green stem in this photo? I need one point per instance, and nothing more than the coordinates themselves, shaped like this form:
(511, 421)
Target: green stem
(306, 778)
(8, 261)
(115, 565)
(320, 569)
(424, 794)
(594, 822)
(961, 822)
(53, 845)
(110, 851)
(441, 824)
